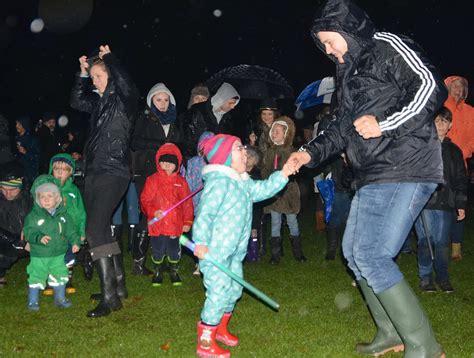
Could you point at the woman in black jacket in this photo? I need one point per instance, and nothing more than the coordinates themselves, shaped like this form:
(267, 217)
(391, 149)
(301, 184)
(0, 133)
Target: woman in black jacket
(112, 106)
(386, 95)
(155, 126)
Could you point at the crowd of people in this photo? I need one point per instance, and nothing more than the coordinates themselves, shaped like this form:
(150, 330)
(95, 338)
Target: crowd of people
(396, 154)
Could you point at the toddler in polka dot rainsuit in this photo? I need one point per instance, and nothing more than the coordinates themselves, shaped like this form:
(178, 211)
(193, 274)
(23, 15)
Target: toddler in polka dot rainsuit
(222, 230)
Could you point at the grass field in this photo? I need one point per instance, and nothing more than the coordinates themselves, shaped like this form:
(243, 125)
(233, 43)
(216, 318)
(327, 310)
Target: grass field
(321, 315)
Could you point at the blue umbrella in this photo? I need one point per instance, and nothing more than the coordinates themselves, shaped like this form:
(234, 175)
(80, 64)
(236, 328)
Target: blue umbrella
(315, 93)
(326, 188)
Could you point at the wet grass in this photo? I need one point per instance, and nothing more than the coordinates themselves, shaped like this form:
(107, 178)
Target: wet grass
(321, 315)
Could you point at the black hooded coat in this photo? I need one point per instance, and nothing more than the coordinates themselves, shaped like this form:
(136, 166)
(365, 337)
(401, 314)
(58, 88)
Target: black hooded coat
(386, 76)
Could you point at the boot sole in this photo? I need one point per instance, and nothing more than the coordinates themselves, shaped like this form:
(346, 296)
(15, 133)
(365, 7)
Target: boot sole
(226, 341)
(202, 353)
(396, 349)
(177, 284)
(156, 284)
(70, 290)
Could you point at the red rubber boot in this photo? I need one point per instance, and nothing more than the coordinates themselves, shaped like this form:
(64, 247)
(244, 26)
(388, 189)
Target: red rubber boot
(223, 335)
(207, 345)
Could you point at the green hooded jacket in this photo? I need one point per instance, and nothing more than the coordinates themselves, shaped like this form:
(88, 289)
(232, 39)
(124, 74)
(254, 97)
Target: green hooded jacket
(72, 198)
(59, 226)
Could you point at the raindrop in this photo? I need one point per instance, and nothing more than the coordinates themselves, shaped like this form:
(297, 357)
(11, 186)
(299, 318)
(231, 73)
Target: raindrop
(125, 26)
(217, 13)
(37, 25)
(11, 21)
(63, 120)
(299, 114)
(156, 20)
(343, 300)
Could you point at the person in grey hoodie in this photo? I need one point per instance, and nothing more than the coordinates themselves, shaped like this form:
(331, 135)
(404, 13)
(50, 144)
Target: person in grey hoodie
(212, 115)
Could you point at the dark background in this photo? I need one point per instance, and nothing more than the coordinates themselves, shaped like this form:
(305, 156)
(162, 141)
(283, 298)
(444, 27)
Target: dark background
(181, 42)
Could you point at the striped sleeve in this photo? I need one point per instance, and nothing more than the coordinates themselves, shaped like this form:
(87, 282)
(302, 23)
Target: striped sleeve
(422, 95)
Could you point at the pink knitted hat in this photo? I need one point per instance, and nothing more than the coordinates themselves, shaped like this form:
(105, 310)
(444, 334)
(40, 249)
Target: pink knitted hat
(218, 149)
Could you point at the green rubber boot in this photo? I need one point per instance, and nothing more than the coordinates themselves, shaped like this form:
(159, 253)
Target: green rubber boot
(411, 322)
(386, 339)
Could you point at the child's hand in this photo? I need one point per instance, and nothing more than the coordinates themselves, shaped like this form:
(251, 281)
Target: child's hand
(27, 247)
(158, 214)
(45, 239)
(200, 251)
(289, 168)
(186, 228)
(75, 248)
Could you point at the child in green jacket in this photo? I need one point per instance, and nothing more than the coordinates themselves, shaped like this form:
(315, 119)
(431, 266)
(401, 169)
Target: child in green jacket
(62, 166)
(49, 230)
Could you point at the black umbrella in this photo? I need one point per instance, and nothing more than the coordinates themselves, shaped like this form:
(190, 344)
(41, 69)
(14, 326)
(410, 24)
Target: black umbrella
(252, 82)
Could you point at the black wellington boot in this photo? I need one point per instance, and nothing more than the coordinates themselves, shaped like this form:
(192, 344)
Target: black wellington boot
(332, 238)
(132, 234)
(140, 247)
(120, 274)
(275, 243)
(296, 248)
(174, 275)
(109, 300)
(116, 231)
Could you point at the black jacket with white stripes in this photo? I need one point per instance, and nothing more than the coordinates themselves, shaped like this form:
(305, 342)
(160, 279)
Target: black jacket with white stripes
(386, 76)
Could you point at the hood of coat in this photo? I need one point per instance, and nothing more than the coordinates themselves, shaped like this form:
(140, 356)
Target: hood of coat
(225, 92)
(159, 87)
(347, 19)
(289, 133)
(451, 79)
(39, 181)
(168, 148)
(212, 170)
(62, 157)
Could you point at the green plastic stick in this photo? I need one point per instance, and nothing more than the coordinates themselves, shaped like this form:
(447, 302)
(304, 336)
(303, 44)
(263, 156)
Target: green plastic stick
(183, 240)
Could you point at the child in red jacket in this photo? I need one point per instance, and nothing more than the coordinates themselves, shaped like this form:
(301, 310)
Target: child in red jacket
(162, 190)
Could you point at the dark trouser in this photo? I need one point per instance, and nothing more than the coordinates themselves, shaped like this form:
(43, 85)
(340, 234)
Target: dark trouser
(165, 246)
(8, 257)
(139, 185)
(102, 195)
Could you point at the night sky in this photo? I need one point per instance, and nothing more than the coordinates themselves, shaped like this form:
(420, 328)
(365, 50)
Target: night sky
(182, 42)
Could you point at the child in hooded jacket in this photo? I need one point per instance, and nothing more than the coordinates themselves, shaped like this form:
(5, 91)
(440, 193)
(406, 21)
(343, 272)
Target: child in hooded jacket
(222, 230)
(161, 191)
(281, 135)
(62, 167)
(49, 229)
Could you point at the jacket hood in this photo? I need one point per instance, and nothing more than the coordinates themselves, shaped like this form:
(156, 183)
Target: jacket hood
(159, 87)
(25, 121)
(62, 157)
(45, 179)
(225, 92)
(451, 79)
(290, 132)
(347, 19)
(168, 148)
(202, 138)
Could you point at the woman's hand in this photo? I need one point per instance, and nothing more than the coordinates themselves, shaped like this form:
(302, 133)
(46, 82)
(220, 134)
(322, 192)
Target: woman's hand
(159, 214)
(75, 248)
(84, 65)
(103, 50)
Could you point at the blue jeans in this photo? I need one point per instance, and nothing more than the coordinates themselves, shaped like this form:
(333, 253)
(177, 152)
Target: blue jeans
(379, 222)
(291, 220)
(133, 210)
(438, 223)
(457, 231)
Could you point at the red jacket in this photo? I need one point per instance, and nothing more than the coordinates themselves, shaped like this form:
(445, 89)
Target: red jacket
(161, 192)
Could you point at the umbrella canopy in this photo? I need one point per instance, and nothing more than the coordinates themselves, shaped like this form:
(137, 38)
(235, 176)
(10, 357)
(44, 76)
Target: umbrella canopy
(252, 82)
(315, 93)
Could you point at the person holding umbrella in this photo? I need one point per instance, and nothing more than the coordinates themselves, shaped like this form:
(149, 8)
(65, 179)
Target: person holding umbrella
(387, 93)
